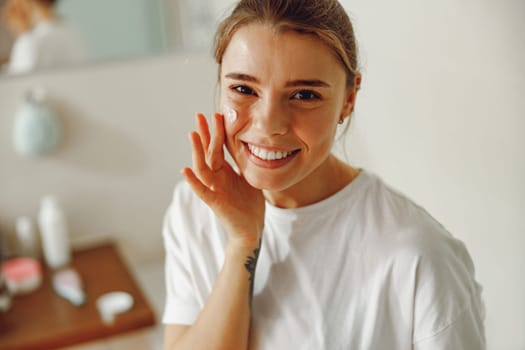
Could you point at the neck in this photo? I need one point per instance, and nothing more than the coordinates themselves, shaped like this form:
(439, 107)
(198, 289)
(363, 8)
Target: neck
(324, 182)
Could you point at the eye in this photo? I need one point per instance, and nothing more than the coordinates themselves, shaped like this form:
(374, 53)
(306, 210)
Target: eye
(243, 89)
(306, 95)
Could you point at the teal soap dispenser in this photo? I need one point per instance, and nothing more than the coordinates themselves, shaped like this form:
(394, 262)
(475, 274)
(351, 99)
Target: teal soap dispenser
(37, 129)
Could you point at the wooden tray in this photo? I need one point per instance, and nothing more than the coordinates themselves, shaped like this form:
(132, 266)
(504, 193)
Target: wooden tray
(43, 320)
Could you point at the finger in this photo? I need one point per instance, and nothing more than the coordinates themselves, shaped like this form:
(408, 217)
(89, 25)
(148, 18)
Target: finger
(200, 167)
(215, 154)
(204, 130)
(198, 187)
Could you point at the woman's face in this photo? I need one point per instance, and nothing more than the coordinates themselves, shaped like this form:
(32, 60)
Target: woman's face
(17, 14)
(289, 92)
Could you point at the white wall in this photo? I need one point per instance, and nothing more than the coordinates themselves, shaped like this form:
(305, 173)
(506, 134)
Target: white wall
(439, 116)
(126, 129)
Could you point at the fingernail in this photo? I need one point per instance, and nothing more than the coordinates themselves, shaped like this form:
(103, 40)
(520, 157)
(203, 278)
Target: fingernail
(230, 114)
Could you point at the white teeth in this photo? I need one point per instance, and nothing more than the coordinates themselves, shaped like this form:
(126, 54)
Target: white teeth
(268, 155)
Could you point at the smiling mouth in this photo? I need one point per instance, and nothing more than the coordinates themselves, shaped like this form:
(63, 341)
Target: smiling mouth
(268, 155)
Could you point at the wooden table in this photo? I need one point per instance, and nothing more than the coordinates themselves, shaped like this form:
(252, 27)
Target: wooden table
(43, 320)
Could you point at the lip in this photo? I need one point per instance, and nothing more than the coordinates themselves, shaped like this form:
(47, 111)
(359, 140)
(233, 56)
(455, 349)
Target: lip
(269, 164)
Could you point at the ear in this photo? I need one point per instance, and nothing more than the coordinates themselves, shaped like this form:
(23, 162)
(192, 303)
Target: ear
(351, 94)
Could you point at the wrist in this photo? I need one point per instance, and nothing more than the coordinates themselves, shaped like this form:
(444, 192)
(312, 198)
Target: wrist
(244, 256)
(241, 248)
(244, 244)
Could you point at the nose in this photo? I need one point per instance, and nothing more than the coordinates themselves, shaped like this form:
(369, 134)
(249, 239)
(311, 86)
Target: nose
(270, 117)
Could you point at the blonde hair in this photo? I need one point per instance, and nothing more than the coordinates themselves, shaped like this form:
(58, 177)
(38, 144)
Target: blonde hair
(326, 19)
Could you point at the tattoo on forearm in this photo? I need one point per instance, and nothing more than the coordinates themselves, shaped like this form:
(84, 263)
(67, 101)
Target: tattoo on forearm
(251, 263)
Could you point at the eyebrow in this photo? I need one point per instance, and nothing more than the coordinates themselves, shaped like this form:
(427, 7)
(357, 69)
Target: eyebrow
(291, 83)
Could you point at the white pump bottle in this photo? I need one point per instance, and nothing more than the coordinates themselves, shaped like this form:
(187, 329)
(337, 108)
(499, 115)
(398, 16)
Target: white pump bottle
(54, 233)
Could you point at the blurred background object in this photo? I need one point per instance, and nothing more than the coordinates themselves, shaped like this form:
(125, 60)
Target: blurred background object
(42, 38)
(27, 237)
(37, 130)
(22, 275)
(101, 30)
(5, 295)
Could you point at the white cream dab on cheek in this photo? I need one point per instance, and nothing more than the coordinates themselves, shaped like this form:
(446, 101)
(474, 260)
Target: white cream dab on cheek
(230, 114)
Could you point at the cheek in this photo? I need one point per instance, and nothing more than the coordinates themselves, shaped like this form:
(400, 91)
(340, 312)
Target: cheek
(318, 127)
(235, 120)
(230, 114)
(235, 111)
(317, 140)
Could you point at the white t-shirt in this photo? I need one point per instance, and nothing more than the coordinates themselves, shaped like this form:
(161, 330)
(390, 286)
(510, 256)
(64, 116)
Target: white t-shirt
(364, 269)
(49, 44)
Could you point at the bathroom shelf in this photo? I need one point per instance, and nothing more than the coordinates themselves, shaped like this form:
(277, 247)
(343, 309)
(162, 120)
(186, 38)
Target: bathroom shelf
(43, 320)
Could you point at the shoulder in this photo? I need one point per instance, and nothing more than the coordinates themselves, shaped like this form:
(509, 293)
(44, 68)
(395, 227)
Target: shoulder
(188, 219)
(186, 205)
(444, 284)
(412, 231)
(182, 192)
(54, 32)
(25, 42)
(406, 231)
(23, 54)
(390, 205)
(395, 218)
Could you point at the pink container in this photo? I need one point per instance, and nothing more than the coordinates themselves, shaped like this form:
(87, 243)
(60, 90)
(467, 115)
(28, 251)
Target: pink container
(22, 275)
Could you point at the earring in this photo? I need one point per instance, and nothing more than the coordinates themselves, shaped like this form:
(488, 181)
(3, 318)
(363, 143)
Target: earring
(341, 120)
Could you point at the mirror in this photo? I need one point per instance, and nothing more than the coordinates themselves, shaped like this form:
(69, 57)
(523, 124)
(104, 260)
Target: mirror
(99, 30)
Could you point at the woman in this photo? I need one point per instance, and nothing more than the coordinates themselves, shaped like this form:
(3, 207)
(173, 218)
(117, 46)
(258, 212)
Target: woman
(43, 40)
(297, 249)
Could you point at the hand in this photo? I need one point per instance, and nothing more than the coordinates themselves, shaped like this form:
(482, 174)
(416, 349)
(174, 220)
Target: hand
(238, 205)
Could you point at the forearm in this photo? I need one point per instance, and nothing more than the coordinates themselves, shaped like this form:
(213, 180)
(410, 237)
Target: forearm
(224, 323)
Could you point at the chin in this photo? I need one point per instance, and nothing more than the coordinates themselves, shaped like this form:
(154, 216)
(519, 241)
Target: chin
(267, 183)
